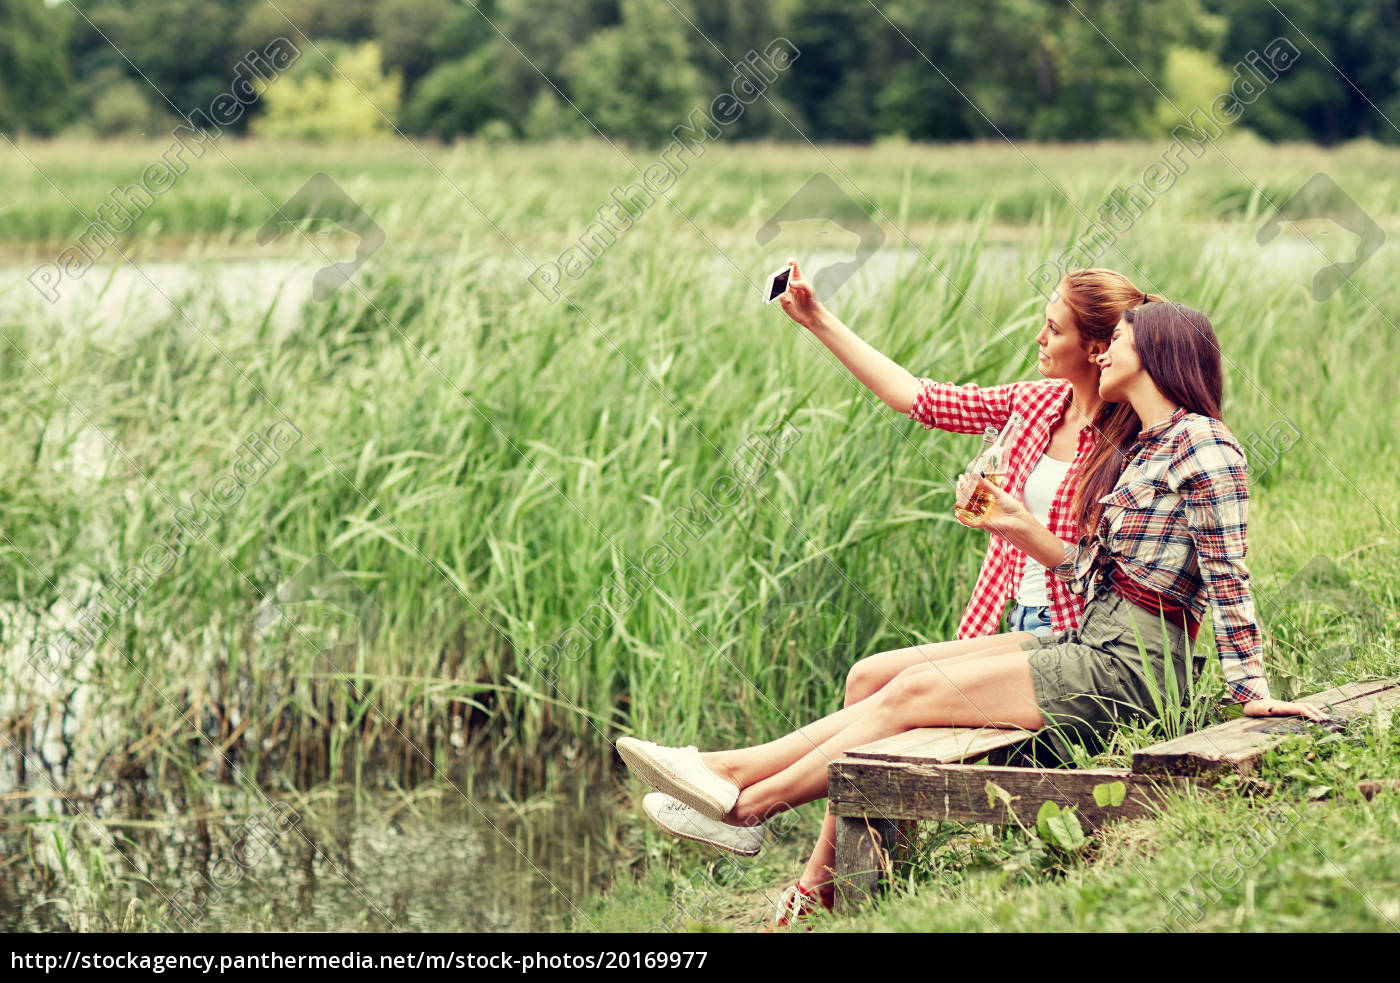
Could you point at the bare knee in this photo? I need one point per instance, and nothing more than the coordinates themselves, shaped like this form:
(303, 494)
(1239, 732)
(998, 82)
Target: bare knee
(860, 681)
(912, 695)
(865, 678)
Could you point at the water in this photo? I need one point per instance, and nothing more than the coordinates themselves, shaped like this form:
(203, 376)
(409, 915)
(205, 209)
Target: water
(430, 859)
(507, 849)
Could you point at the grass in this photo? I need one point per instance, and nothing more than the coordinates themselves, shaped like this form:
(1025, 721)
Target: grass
(481, 463)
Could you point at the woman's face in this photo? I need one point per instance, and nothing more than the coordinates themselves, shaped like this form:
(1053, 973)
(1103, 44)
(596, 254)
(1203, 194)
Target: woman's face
(1120, 366)
(1061, 354)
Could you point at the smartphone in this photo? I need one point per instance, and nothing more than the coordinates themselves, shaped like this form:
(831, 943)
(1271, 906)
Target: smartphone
(777, 285)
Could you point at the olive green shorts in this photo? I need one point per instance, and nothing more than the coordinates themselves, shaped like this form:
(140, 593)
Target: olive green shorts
(1091, 678)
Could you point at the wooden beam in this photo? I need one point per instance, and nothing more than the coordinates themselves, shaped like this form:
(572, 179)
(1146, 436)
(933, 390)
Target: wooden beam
(958, 793)
(1237, 746)
(942, 745)
(864, 856)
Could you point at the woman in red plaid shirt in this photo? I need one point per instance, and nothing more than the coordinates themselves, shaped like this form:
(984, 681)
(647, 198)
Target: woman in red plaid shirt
(1164, 503)
(1061, 414)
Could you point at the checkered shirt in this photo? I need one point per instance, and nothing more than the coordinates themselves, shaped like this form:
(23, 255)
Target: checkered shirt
(971, 409)
(1175, 523)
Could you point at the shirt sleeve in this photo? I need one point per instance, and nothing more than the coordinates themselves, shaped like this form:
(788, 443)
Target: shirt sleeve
(1208, 470)
(963, 409)
(1074, 568)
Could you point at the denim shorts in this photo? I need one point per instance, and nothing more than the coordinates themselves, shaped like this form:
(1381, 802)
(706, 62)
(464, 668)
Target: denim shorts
(1090, 679)
(1034, 620)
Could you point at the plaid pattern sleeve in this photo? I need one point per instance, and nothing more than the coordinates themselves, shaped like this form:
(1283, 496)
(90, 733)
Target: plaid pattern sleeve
(1074, 569)
(963, 409)
(1208, 471)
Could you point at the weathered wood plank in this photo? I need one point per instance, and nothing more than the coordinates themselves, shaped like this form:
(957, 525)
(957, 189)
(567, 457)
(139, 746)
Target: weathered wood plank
(941, 745)
(1237, 746)
(864, 854)
(1349, 691)
(958, 793)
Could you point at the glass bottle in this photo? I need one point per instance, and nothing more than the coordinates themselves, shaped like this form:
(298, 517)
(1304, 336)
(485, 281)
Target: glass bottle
(972, 500)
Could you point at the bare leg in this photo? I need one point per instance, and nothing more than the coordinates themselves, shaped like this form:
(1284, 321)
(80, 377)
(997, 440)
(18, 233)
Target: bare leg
(821, 865)
(874, 671)
(747, 766)
(993, 690)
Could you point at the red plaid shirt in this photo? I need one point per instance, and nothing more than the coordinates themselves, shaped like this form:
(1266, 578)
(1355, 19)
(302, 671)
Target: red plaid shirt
(1175, 522)
(971, 409)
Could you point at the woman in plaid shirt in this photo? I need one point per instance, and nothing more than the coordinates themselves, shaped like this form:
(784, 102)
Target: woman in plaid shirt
(1166, 505)
(1044, 458)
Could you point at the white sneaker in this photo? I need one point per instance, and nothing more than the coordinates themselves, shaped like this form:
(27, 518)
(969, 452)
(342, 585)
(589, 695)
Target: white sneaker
(678, 819)
(679, 772)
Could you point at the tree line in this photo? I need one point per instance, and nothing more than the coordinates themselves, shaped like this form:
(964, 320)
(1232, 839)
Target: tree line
(933, 70)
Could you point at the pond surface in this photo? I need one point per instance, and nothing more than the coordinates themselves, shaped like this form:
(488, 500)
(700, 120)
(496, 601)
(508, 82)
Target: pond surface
(433, 859)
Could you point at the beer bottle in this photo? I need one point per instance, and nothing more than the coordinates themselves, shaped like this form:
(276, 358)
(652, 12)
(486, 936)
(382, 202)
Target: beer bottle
(990, 462)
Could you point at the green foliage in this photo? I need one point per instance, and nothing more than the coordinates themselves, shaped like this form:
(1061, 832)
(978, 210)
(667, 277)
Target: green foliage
(187, 49)
(550, 119)
(1345, 79)
(1059, 829)
(445, 506)
(1110, 795)
(1022, 69)
(35, 83)
(635, 81)
(121, 108)
(458, 98)
(418, 36)
(1193, 80)
(334, 93)
(347, 21)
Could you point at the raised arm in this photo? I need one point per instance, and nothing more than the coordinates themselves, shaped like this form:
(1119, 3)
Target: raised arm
(893, 383)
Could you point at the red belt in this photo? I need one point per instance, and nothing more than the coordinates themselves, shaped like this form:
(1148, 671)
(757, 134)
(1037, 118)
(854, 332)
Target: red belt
(1155, 602)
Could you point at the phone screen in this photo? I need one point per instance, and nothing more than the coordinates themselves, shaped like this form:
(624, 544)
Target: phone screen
(778, 284)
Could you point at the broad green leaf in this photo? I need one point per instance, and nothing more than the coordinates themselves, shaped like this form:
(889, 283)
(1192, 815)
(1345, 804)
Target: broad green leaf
(1065, 832)
(1110, 795)
(1059, 827)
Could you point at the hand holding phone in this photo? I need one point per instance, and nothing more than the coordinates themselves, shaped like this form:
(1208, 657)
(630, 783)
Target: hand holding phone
(777, 284)
(795, 295)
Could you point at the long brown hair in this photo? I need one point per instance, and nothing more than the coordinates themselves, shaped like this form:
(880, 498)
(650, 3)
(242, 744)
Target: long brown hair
(1180, 353)
(1098, 299)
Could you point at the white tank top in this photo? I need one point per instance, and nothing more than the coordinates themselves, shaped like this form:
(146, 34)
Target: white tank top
(1041, 485)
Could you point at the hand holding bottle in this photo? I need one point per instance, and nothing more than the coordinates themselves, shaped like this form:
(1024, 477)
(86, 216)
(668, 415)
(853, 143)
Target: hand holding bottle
(1003, 514)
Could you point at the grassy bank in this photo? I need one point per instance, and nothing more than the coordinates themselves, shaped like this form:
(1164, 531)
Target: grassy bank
(473, 464)
(1316, 854)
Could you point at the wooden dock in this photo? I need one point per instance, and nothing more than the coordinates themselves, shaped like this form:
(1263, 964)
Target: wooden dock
(941, 773)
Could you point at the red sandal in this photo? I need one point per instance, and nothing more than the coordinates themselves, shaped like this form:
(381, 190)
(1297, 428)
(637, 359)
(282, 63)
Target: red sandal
(798, 902)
